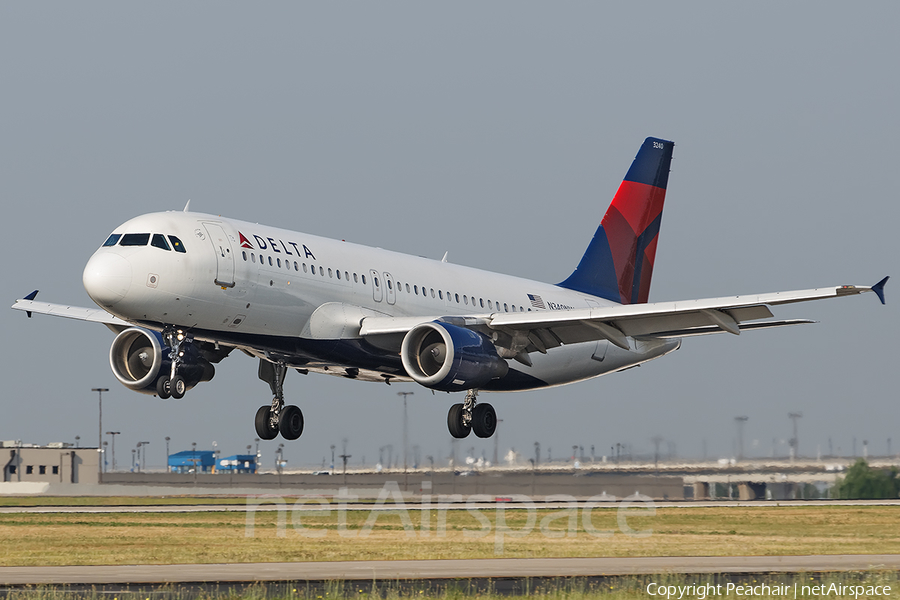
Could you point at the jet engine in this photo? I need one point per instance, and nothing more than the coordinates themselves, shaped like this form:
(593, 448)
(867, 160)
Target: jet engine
(138, 358)
(450, 358)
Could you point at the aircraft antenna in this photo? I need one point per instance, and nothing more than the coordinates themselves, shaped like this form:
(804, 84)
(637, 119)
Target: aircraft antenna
(187, 205)
(445, 256)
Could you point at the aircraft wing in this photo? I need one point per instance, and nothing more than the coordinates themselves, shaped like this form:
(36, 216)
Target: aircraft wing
(95, 315)
(548, 329)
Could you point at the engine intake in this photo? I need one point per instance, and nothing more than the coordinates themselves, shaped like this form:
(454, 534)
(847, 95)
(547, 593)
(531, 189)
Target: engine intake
(138, 359)
(450, 358)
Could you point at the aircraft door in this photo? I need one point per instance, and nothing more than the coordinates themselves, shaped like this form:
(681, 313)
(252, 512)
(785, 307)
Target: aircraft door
(377, 292)
(389, 291)
(224, 256)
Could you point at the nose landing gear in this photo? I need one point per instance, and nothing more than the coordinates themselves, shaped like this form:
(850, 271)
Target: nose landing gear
(277, 418)
(174, 385)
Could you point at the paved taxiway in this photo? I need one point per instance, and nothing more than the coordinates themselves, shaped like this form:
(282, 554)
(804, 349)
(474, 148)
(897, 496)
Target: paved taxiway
(443, 569)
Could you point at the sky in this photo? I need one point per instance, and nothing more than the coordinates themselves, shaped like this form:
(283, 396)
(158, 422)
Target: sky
(497, 132)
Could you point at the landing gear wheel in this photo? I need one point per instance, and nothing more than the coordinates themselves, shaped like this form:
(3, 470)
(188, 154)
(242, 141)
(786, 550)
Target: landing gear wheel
(484, 420)
(291, 423)
(162, 388)
(455, 422)
(177, 387)
(263, 424)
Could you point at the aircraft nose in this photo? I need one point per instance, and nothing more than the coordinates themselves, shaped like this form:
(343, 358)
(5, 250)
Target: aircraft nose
(106, 278)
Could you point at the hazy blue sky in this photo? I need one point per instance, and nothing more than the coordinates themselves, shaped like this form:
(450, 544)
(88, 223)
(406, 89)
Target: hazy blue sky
(498, 131)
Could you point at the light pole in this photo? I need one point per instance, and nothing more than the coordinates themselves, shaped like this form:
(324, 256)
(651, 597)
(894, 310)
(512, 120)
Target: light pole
(113, 434)
(103, 454)
(332, 459)
(405, 427)
(167, 454)
(100, 421)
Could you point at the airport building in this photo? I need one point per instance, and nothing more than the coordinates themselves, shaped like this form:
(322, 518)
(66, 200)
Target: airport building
(54, 463)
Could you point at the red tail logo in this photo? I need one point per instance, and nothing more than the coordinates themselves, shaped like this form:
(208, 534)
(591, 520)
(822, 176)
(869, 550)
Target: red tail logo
(245, 243)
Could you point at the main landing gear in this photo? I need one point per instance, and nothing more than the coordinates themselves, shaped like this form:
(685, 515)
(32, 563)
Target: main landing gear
(173, 385)
(277, 418)
(470, 416)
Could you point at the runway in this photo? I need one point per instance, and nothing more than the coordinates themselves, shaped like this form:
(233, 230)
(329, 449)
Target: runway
(442, 569)
(276, 503)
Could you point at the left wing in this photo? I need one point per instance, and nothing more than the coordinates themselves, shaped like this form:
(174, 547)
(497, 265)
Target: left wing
(539, 331)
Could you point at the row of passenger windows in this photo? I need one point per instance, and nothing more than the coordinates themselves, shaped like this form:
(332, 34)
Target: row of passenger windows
(414, 289)
(157, 240)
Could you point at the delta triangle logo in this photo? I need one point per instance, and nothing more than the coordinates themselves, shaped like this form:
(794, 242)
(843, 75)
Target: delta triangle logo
(245, 243)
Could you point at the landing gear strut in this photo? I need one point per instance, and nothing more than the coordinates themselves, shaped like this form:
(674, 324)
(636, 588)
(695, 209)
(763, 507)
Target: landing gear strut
(277, 418)
(469, 416)
(174, 385)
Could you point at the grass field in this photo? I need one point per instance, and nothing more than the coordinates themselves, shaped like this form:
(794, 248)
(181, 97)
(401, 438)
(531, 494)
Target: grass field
(221, 537)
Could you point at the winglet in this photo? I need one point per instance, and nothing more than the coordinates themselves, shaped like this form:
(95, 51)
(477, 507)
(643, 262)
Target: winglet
(878, 288)
(30, 296)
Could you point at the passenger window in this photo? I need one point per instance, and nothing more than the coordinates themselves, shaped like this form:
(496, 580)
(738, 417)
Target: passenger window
(440, 294)
(278, 260)
(505, 307)
(135, 239)
(347, 275)
(457, 298)
(376, 282)
(521, 309)
(330, 274)
(390, 287)
(296, 266)
(416, 290)
(270, 261)
(244, 254)
(465, 300)
(355, 279)
(514, 308)
(432, 292)
(304, 267)
(322, 271)
(490, 305)
(481, 301)
(159, 241)
(364, 279)
(313, 267)
(112, 239)
(176, 244)
(252, 258)
(407, 288)
(339, 274)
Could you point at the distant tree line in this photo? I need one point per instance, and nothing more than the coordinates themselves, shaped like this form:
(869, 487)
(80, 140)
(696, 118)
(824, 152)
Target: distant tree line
(863, 483)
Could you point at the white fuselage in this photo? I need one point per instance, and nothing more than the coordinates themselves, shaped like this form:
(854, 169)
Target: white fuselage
(255, 287)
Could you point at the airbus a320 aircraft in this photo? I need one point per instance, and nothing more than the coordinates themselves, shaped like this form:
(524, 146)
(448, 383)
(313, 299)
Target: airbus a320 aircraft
(182, 290)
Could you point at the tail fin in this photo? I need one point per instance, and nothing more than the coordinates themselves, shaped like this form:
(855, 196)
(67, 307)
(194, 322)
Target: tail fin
(618, 262)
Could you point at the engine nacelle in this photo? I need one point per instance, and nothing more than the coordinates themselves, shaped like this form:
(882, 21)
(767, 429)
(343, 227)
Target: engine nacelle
(138, 358)
(450, 358)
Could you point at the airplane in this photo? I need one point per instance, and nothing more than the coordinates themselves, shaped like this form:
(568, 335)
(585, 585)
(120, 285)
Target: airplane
(182, 290)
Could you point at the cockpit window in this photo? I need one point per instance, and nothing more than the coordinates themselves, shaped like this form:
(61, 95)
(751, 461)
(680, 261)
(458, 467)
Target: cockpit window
(176, 244)
(159, 241)
(135, 239)
(112, 239)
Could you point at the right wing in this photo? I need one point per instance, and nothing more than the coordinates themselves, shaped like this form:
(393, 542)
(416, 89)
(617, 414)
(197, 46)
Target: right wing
(94, 315)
